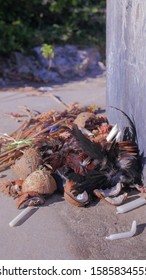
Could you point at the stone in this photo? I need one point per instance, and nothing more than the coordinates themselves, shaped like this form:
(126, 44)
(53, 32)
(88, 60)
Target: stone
(101, 66)
(24, 71)
(2, 82)
(44, 89)
(37, 53)
(18, 58)
(71, 61)
(43, 75)
(68, 62)
(54, 77)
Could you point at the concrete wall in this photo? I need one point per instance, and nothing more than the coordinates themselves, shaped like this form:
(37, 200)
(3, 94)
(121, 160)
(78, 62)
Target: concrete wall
(126, 63)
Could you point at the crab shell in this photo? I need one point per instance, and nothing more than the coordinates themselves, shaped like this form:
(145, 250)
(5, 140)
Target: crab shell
(29, 162)
(39, 181)
(80, 200)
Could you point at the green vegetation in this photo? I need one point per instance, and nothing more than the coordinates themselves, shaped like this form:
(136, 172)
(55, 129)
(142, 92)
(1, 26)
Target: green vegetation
(25, 24)
(48, 52)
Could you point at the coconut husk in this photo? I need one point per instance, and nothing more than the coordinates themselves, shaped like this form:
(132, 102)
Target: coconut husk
(68, 195)
(39, 181)
(111, 196)
(29, 162)
(11, 188)
(45, 127)
(5, 186)
(81, 119)
(29, 199)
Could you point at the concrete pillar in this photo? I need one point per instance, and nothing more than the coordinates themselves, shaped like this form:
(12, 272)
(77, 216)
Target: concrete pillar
(126, 64)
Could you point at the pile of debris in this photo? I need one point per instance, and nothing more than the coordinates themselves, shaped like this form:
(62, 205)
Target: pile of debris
(75, 151)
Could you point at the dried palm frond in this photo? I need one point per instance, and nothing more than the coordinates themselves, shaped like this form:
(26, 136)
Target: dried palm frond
(42, 128)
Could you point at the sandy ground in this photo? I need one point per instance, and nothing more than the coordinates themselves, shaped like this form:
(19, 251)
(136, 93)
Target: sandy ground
(59, 230)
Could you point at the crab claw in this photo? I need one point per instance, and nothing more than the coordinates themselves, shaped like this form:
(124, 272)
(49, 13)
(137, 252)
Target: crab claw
(29, 199)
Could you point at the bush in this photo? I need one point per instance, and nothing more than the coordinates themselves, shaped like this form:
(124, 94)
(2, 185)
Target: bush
(25, 24)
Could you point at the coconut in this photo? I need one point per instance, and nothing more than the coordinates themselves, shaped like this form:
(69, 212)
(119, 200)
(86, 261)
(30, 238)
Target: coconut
(111, 196)
(81, 119)
(39, 181)
(118, 200)
(79, 200)
(5, 186)
(29, 162)
(114, 191)
(29, 199)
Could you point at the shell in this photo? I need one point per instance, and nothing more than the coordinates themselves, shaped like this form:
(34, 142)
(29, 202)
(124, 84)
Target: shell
(111, 195)
(116, 200)
(80, 200)
(29, 199)
(28, 163)
(39, 181)
(82, 118)
(114, 191)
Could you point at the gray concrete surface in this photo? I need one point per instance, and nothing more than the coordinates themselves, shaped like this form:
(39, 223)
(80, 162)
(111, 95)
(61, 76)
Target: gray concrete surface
(59, 230)
(126, 64)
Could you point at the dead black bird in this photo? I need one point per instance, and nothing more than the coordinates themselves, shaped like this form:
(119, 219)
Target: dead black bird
(106, 164)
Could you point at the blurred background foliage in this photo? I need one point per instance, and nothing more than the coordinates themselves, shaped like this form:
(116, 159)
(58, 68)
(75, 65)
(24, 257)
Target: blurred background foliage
(25, 24)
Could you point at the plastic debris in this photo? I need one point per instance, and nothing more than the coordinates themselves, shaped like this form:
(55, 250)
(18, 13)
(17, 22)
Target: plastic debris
(131, 205)
(126, 234)
(21, 215)
(114, 131)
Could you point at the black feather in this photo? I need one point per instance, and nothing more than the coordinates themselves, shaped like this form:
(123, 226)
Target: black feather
(74, 177)
(91, 182)
(130, 132)
(94, 150)
(131, 170)
(116, 162)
